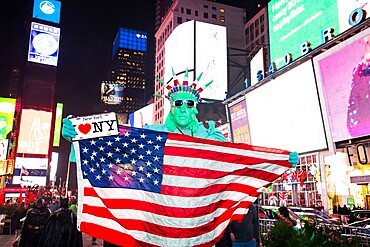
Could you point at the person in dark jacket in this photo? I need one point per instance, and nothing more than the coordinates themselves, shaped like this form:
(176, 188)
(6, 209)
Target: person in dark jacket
(245, 232)
(61, 229)
(33, 224)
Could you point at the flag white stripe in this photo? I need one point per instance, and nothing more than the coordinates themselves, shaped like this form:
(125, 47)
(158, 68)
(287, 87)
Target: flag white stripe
(198, 183)
(161, 219)
(191, 162)
(171, 201)
(227, 150)
(155, 239)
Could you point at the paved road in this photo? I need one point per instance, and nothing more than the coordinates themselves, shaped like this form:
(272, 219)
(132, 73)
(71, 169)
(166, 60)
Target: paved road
(7, 240)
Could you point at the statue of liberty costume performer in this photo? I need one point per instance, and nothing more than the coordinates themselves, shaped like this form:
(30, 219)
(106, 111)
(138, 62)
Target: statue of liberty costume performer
(182, 117)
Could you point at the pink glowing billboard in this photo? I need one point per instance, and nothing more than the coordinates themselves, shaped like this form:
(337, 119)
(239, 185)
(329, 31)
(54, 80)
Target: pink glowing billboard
(344, 75)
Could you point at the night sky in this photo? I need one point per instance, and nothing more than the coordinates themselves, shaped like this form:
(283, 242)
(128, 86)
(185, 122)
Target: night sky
(88, 29)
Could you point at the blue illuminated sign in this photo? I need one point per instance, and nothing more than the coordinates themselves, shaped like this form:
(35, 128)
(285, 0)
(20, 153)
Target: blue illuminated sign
(130, 39)
(44, 44)
(47, 10)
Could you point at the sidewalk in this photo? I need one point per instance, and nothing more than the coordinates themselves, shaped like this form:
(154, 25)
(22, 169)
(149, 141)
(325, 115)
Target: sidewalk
(7, 240)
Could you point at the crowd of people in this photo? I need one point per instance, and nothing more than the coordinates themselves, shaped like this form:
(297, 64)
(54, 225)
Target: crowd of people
(45, 224)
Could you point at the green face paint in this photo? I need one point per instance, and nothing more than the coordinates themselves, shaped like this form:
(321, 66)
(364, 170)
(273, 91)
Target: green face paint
(183, 109)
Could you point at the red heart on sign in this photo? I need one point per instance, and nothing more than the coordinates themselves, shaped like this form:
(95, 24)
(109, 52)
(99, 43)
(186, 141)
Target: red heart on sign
(84, 128)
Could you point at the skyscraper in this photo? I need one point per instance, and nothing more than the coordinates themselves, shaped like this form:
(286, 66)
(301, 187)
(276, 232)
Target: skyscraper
(124, 89)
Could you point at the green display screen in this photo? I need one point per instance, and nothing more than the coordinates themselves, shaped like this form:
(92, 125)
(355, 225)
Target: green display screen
(293, 22)
(7, 108)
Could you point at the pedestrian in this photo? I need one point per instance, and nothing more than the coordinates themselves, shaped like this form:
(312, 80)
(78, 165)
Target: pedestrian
(54, 205)
(33, 224)
(335, 209)
(285, 217)
(245, 232)
(61, 228)
(18, 215)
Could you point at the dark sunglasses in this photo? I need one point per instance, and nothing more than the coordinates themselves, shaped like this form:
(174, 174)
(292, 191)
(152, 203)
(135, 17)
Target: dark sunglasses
(180, 102)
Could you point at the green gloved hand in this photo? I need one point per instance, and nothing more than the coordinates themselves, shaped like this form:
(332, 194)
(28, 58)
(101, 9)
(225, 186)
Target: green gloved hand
(293, 158)
(68, 131)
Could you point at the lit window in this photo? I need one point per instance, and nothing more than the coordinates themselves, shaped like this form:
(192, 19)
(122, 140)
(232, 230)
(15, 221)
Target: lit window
(222, 18)
(222, 10)
(214, 17)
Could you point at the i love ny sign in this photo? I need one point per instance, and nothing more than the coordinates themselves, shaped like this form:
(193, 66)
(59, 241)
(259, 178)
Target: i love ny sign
(95, 126)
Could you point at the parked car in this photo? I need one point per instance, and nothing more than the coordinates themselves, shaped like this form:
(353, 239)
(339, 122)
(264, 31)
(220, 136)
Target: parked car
(272, 212)
(315, 215)
(357, 215)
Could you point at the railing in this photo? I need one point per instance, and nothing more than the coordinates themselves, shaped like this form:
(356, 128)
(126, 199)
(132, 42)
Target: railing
(265, 226)
(362, 233)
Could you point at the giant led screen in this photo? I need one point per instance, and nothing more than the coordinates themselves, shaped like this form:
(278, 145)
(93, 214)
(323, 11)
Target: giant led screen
(201, 47)
(34, 132)
(256, 66)
(211, 59)
(239, 121)
(142, 117)
(47, 10)
(130, 39)
(58, 124)
(30, 171)
(285, 112)
(111, 93)
(7, 108)
(44, 44)
(344, 75)
(294, 22)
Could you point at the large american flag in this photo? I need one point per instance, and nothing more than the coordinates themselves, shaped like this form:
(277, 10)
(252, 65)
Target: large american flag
(146, 187)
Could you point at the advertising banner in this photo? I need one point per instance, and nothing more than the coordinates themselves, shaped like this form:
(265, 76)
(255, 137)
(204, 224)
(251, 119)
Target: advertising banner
(47, 10)
(294, 22)
(30, 171)
(112, 93)
(142, 117)
(239, 121)
(34, 132)
(344, 75)
(58, 124)
(44, 44)
(3, 149)
(285, 113)
(7, 108)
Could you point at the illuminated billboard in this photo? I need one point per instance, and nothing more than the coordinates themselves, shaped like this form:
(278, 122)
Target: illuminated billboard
(142, 117)
(34, 132)
(285, 112)
(239, 121)
(46, 10)
(257, 65)
(211, 59)
(44, 44)
(54, 165)
(130, 39)
(201, 47)
(30, 171)
(3, 149)
(292, 23)
(344, 75)
(58, 124)
(7, 108)
(112, 93)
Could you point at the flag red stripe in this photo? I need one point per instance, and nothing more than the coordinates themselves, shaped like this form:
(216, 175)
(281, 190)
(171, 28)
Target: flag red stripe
(210, 190)
(174, 170)
(241, 146)
(219, 156)
(175, 212)
(110, 235)
(160, 230)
